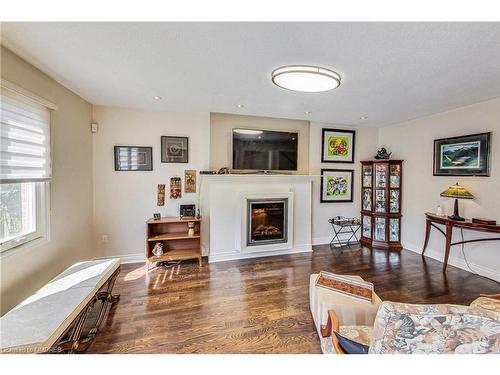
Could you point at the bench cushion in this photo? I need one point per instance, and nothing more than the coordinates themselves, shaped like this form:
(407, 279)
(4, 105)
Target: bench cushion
(36, 323)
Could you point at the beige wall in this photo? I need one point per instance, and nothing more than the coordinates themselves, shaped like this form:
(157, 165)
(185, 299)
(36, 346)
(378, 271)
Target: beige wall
(123, 201)
(413, 142)
(221, 126)
(24, 270)
(365, 149)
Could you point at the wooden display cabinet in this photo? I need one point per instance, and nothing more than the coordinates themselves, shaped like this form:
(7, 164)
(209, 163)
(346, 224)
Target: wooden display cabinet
(381, 182)
(178, 244)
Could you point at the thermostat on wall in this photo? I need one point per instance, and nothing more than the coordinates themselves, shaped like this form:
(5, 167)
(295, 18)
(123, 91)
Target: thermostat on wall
(94, 127)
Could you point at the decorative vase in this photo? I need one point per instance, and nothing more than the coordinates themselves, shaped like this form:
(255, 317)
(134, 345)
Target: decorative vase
(191, 228)
(158, 249)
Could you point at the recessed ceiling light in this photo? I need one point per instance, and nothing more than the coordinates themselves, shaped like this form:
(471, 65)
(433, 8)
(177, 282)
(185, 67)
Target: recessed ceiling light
(307, 112)
(363, 118)
(157, 97)
(305, 78)
(240, 105)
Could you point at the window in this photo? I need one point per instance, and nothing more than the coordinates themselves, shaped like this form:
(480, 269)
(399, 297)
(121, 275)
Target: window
(25, 168)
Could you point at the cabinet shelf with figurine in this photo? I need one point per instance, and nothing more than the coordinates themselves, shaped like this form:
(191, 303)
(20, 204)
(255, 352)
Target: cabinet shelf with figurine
(381, 182)
(176, 238)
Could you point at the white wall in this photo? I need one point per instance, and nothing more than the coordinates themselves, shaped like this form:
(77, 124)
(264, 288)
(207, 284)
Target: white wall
(24, 270)
(123, 201)
(413, 141)
(365, 149)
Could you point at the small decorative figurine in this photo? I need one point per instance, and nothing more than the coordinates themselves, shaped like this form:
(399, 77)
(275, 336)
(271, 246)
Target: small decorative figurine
(439, 210)
(158, 249)
(382, 154)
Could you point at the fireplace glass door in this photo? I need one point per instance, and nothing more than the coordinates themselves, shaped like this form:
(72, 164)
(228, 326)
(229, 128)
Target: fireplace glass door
(267, 221)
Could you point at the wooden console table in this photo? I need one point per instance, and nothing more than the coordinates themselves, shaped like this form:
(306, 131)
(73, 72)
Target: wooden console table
(432, 220)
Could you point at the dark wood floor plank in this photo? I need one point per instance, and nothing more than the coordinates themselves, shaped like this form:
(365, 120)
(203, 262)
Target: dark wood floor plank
(261, 305)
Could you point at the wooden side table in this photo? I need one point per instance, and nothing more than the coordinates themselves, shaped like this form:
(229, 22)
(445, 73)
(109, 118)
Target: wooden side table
(431, 220)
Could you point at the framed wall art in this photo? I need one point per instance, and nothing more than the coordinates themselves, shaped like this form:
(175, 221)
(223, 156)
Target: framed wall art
(174, 149)
(133, 158)
(175, 188)
(337, 146)
(467, 155)
(336, 185)
(189, 181)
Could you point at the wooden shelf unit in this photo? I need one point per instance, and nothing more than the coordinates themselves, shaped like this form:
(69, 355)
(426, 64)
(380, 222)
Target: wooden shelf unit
(177, 244)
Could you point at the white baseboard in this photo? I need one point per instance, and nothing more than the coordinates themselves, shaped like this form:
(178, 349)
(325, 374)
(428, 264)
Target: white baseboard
(455, 261)
(239, 256)
(128, 258)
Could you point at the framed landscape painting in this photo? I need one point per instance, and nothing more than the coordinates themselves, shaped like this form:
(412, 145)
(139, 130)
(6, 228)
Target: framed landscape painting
(336, 185)
(467, 155)
(174, 149)
(337, 146)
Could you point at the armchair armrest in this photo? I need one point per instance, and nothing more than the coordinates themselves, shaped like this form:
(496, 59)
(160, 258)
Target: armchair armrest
(493, 296)
(332, 325)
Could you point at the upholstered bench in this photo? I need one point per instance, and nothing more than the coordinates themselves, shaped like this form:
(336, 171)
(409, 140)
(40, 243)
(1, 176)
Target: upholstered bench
(65, 314)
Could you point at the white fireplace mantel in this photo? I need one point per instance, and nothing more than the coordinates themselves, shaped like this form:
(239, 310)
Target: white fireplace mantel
(224, 214)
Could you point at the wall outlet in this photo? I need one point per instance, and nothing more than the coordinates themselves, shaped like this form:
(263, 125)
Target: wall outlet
(105, 238)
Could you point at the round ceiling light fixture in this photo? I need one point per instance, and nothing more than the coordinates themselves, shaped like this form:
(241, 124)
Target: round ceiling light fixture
(305, 78)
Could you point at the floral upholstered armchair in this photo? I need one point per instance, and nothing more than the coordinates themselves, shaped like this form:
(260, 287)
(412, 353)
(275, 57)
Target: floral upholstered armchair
(406, 328)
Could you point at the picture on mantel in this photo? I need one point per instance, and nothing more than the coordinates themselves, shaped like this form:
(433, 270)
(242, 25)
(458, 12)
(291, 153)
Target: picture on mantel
(175, 188)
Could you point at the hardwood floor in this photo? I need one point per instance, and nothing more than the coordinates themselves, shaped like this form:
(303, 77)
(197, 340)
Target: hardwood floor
(260, 305)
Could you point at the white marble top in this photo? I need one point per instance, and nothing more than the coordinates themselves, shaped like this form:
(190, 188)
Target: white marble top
(36, 323)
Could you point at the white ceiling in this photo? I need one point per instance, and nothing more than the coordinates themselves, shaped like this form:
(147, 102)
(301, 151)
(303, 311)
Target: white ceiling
(391, 72)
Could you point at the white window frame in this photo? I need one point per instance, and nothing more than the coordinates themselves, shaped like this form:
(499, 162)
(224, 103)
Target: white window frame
(42, 188)
(41, 232)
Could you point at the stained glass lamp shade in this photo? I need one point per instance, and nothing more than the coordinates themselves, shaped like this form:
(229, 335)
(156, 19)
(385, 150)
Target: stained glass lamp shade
(458, 192)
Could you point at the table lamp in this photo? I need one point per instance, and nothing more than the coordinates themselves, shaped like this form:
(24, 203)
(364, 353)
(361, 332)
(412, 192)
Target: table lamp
(456, 191)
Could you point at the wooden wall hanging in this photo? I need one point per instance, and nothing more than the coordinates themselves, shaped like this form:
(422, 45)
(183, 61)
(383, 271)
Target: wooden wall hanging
(190, 181)
(175, 187)
(160, 201)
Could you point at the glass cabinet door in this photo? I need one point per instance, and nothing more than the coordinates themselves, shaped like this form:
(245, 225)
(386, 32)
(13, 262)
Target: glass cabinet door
(380, 229)
(394, 201)
(380, 200)
(395, 177)
(394, 229)
(367, 226)
(381, 175)
(367, 199)
(367, 175)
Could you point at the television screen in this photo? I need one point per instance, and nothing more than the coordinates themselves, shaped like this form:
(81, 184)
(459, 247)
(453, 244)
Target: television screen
(264, 150)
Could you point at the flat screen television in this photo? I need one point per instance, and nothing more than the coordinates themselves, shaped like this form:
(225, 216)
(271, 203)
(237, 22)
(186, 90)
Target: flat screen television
(264, 150)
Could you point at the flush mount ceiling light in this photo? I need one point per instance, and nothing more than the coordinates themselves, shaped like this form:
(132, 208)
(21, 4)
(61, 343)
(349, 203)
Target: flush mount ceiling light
(157, 97)
(363, 118)
(305, 78)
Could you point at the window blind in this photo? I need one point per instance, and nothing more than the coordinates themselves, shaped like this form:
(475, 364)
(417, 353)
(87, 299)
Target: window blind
(24, 139)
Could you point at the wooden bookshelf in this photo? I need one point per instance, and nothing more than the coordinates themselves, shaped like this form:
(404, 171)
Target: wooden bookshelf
(177, 243)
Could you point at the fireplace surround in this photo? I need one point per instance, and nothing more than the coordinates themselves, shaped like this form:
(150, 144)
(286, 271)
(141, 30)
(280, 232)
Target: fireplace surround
(224, 203)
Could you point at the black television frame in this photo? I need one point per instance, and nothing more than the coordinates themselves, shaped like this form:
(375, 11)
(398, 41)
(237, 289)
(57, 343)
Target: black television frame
(290, 171)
